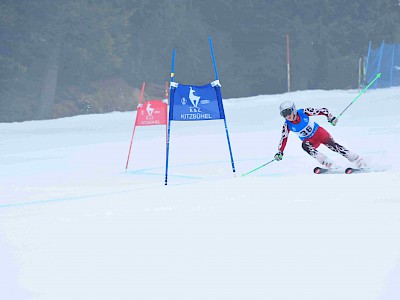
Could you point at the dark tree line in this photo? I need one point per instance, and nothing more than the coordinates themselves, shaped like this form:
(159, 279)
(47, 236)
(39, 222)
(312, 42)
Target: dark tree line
(60, 58)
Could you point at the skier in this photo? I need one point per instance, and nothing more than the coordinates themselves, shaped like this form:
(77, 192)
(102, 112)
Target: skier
(312, 135)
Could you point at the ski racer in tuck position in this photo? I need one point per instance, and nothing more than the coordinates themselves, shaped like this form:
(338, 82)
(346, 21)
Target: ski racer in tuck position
(312, 135)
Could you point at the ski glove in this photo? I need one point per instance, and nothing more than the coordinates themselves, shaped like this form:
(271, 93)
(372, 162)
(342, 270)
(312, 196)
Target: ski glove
(333, 120)
(278, 156)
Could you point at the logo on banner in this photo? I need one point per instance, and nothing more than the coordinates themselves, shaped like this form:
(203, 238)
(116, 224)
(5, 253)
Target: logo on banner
(149, 110)
(194, 100)
(195, 111)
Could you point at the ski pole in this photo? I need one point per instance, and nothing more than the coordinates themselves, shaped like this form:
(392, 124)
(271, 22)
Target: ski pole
(258, 167)
(363, 91)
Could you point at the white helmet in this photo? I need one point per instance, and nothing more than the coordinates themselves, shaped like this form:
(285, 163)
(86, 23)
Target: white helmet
(286, 108)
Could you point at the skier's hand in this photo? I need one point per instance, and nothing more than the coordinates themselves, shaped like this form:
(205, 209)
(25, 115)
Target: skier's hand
(278, 156)
(333, 120)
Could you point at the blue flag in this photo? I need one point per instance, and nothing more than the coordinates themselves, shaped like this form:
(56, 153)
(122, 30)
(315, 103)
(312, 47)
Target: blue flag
(196, 103)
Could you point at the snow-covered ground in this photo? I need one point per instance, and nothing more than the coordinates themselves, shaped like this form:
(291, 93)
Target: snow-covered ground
(75, 225)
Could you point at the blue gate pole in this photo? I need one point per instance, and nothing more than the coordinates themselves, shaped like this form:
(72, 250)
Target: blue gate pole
(380, 60)
(392, 66)
(397, 62)
(171, 105)
(213, 58)
(369, 52)
(220, 95)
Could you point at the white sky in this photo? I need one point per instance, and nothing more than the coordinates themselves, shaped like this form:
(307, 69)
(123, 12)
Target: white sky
(75, 225)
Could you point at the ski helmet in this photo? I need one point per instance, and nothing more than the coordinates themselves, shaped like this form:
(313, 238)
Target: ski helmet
(286, 108)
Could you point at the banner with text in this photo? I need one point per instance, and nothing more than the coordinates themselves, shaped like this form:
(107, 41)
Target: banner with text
(195, 103)
(152, 112)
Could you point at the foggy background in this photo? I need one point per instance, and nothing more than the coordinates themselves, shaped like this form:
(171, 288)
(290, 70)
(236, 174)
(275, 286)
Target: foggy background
(77, 57)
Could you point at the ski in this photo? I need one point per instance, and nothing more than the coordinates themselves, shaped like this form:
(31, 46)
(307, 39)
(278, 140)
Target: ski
(319, 170)
(354, 170)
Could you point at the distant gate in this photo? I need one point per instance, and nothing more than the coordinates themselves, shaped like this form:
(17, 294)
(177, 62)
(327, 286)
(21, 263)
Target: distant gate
(385, 60)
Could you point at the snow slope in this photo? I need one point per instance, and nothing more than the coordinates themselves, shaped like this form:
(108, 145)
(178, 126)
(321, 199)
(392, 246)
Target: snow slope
(75, 225)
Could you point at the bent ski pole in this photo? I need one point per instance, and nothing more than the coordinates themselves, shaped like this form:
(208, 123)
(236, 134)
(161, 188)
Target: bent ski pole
(258, 167)
(376, 77)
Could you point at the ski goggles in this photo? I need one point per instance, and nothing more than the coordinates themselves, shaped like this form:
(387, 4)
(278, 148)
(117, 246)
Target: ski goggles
(286, 112)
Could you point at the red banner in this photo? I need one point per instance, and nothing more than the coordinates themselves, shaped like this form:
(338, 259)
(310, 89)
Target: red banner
(152, 112)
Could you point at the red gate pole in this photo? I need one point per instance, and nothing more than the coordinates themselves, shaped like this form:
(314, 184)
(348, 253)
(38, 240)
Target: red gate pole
(134, 128)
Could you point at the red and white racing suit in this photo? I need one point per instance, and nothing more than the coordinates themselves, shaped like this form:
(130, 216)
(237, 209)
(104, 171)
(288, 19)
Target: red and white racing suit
(314, 138)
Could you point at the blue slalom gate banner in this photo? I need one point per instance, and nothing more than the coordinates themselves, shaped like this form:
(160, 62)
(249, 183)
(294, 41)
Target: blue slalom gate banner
(195, 103)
